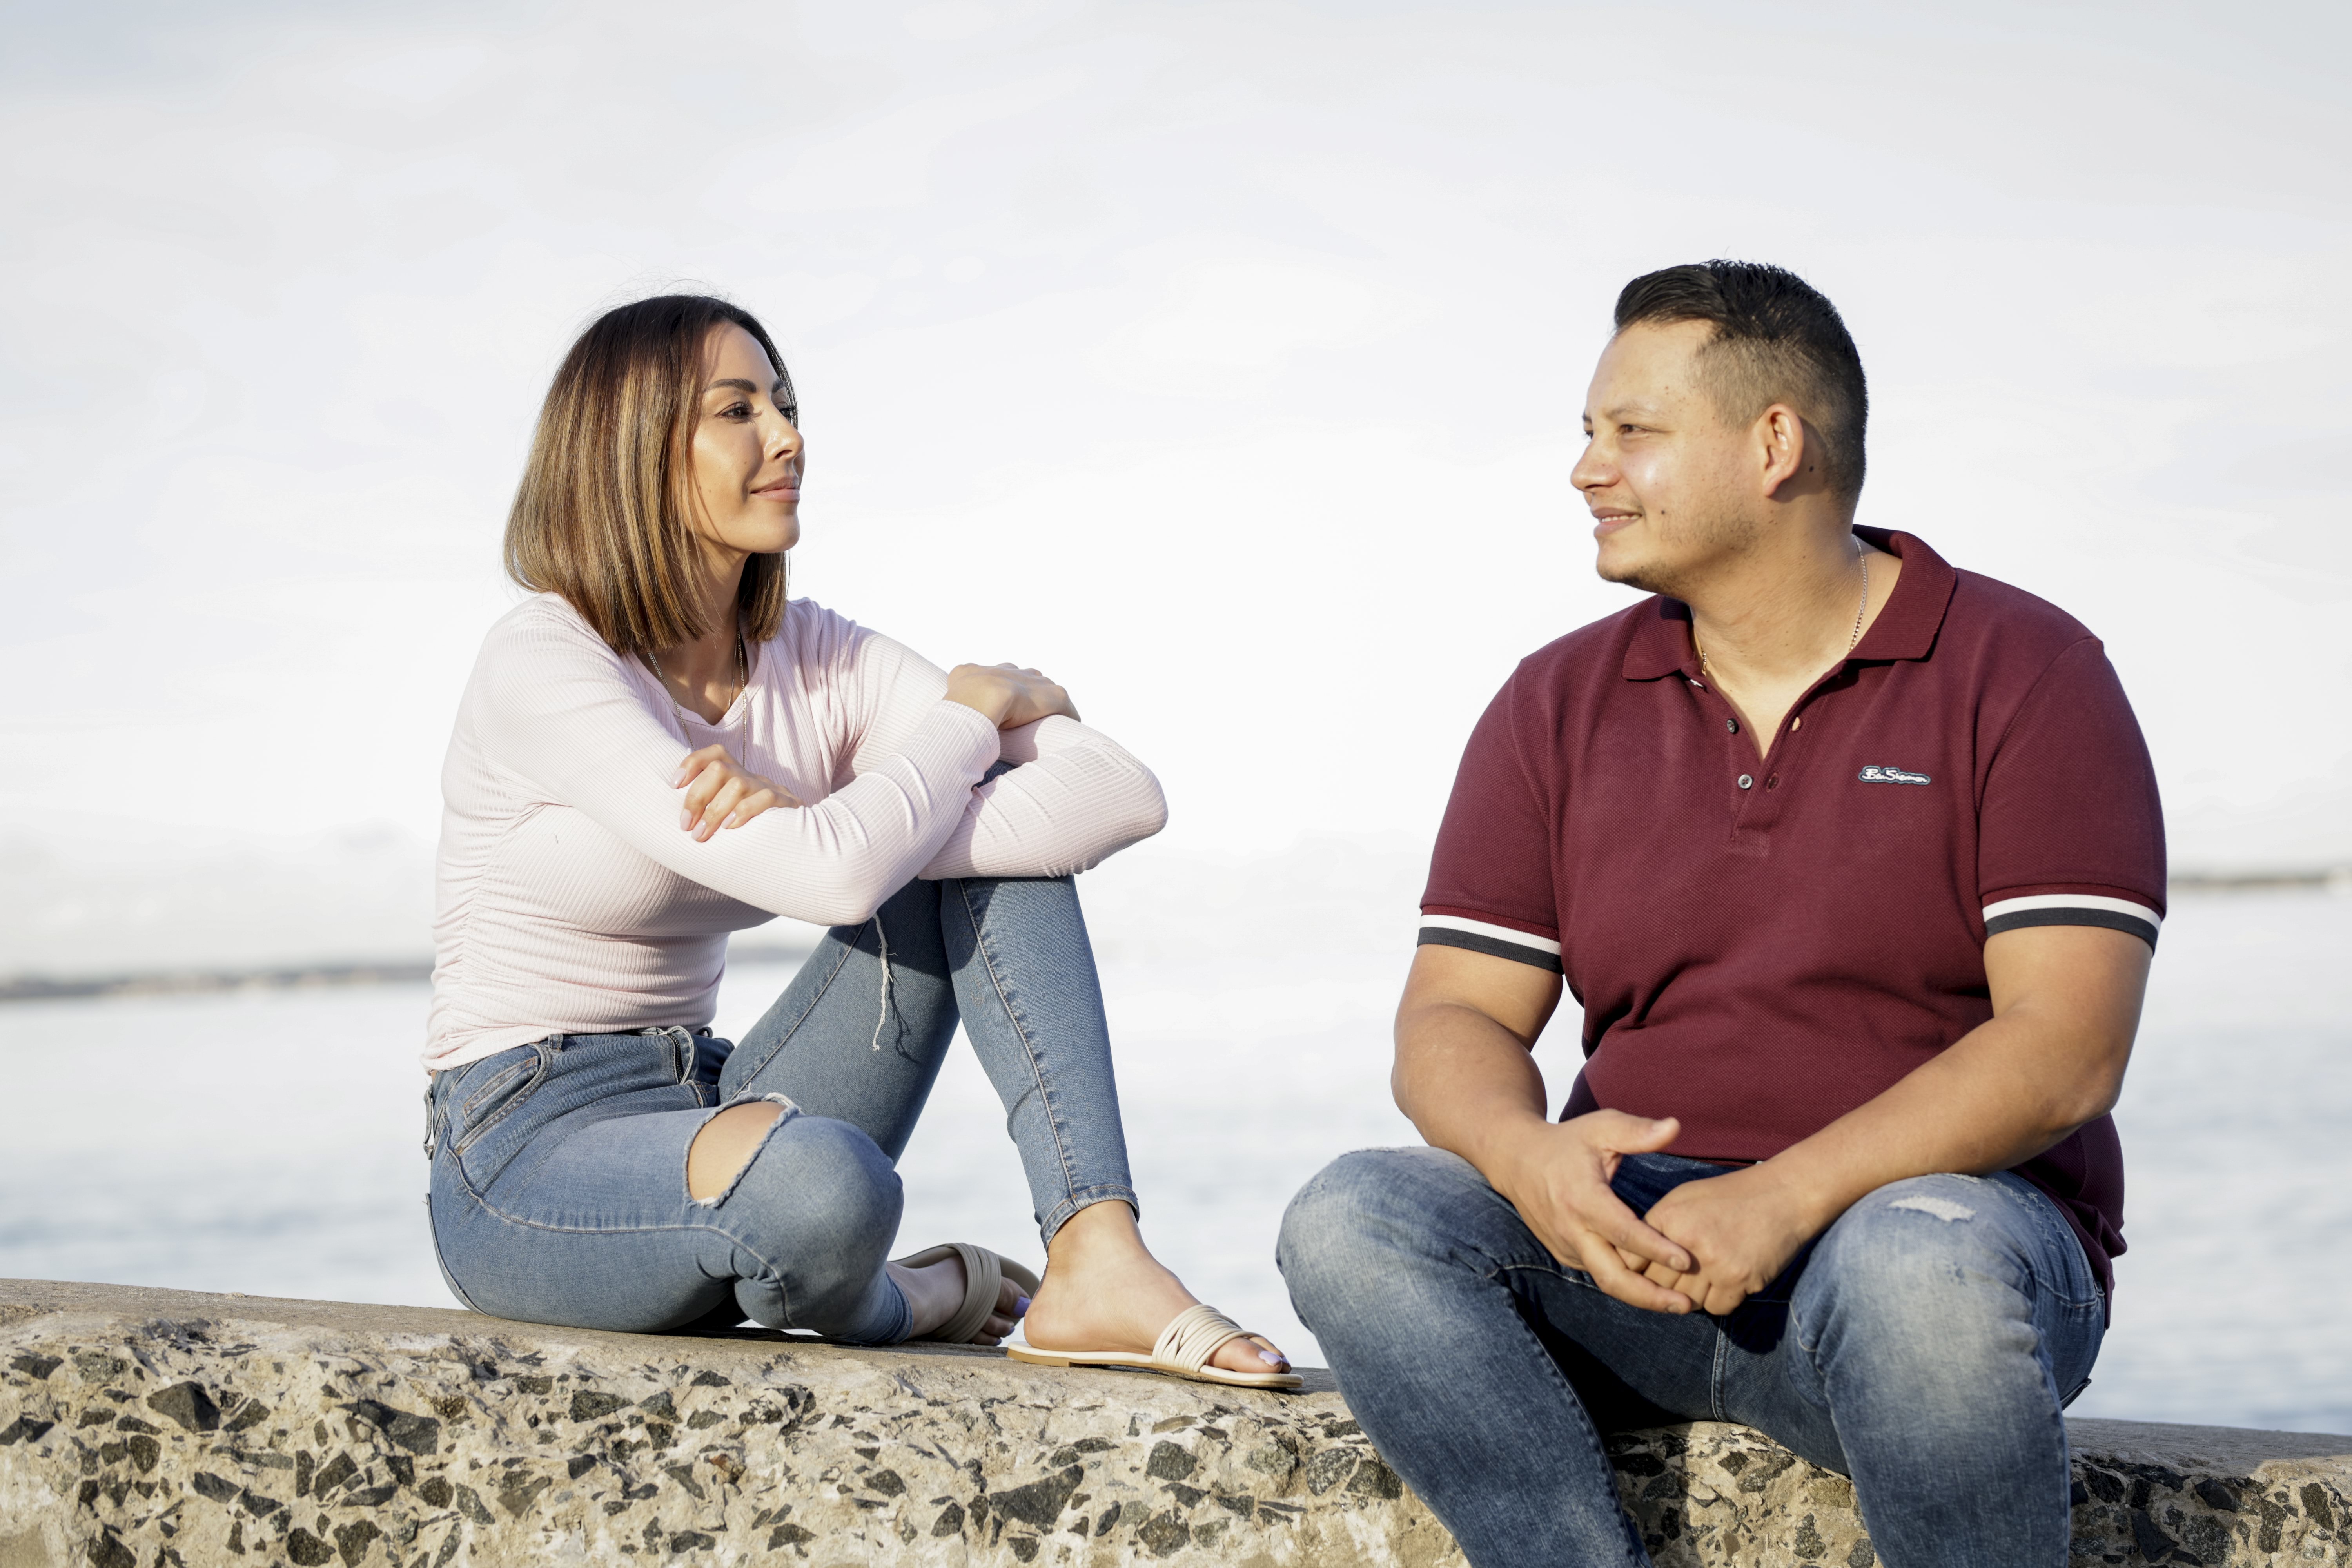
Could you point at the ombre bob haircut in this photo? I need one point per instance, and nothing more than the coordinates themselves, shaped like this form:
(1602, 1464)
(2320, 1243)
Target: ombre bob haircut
(600, 516)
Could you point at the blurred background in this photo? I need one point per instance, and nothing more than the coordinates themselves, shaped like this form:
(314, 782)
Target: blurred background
(1222, 360)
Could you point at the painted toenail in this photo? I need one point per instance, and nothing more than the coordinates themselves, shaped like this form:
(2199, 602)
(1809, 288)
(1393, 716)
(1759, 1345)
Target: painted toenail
(1271, 1359)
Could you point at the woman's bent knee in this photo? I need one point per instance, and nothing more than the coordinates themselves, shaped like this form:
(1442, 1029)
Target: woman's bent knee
(814, 1214)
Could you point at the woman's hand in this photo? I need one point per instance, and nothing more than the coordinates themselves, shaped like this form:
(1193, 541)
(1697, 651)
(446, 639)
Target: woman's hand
(1007, 695)
(721, 795)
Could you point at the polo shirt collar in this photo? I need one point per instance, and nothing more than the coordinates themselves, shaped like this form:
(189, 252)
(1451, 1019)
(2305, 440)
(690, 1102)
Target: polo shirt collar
(1905, 628)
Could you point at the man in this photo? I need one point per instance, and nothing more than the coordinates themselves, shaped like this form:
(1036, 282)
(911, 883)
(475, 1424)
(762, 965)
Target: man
(1857, 865)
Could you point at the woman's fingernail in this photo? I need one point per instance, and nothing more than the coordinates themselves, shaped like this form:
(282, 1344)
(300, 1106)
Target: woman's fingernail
(1021, 1308)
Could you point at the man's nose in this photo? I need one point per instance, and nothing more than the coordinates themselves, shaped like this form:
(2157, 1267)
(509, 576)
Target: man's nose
(1591, 471)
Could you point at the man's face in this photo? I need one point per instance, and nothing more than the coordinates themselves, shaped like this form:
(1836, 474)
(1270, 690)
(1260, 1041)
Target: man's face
(1661, 470)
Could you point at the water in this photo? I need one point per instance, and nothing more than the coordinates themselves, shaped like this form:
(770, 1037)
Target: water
(267, 1141)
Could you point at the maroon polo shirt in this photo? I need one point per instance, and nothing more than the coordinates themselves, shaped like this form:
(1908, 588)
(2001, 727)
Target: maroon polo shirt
(1760, 946)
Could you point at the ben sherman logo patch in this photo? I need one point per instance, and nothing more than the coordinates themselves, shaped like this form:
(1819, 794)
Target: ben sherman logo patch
(1874, 774)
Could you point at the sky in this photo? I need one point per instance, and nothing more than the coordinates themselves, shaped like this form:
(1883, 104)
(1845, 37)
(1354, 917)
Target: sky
(1223, 361)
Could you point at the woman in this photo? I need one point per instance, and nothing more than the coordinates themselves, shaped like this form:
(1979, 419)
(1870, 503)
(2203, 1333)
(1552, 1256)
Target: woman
(657, 748)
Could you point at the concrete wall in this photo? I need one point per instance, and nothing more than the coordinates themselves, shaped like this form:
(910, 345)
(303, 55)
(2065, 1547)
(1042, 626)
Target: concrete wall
(141, 1429)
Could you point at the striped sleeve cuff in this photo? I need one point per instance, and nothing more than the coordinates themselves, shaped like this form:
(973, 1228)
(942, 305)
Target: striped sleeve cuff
(1494, 941)
(2073, 909)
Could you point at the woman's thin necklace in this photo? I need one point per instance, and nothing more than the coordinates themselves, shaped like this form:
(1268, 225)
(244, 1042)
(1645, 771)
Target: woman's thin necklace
(1851, 642)
(742, 672)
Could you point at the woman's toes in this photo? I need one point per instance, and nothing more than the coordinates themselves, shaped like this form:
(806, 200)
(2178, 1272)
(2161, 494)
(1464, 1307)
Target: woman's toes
(1250, 1354)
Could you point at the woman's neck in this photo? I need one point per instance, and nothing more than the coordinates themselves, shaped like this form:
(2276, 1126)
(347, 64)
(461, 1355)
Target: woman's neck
(704, 674)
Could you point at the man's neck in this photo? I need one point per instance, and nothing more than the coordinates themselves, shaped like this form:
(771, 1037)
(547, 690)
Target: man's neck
(1771, 618)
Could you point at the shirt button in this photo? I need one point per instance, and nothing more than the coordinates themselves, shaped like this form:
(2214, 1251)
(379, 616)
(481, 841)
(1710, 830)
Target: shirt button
(1732, 725)
(1745, 781)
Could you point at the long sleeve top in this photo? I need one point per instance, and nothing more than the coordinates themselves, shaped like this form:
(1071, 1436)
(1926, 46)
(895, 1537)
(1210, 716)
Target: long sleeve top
(569, 901)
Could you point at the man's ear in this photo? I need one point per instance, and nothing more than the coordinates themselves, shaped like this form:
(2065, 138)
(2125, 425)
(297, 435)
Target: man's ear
(1788, 467)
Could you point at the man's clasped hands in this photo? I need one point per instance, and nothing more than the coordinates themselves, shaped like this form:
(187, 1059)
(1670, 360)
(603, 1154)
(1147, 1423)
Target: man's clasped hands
(1707, 1245)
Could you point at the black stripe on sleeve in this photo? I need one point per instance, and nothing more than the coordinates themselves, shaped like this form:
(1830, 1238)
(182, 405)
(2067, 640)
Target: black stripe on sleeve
(1492, 946)
(2110, 918)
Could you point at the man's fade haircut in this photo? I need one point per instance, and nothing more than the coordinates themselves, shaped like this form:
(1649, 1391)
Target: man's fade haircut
(600, 516)
(1776, 340)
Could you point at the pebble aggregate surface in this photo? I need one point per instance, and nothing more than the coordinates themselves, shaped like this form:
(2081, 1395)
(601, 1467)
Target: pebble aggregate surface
(142, 1428)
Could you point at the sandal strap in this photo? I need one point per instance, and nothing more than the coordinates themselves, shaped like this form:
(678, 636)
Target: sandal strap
(982, 1276)
(1192, 1336)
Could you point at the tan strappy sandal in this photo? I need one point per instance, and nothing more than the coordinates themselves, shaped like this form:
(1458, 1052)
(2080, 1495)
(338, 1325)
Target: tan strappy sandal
(984, 1274)
(1191, 1338)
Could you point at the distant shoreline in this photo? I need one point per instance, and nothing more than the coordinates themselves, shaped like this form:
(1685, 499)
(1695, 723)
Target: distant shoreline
(403, 972)
(306, 977)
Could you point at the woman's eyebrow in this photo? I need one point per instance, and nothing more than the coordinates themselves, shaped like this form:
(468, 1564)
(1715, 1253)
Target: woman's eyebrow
(734, 383)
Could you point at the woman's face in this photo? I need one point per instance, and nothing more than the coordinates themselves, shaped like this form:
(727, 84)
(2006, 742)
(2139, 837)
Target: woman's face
(746, 456)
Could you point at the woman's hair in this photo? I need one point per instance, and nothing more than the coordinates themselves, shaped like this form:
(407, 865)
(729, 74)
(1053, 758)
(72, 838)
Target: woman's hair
(601, 515)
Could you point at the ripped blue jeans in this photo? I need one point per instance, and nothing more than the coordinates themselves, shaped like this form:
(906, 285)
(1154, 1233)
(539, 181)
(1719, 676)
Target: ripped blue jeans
(559, 1187)
(1924, 1345)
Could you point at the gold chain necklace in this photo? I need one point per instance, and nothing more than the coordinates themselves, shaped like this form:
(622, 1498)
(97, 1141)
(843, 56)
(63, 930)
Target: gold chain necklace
(742, 671)
(1851, 642)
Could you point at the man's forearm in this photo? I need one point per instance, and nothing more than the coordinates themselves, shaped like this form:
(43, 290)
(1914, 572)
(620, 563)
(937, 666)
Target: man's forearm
(1972, 1110)
(1466, 1082)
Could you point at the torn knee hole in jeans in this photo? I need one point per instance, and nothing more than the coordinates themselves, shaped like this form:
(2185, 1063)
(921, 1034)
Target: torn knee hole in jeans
(1943, 1209)
(708, 1182)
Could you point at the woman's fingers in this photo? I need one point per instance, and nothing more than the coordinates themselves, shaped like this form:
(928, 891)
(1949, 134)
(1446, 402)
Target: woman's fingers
(714, 815)
(696, 761)
(751, 806)
(702, 784)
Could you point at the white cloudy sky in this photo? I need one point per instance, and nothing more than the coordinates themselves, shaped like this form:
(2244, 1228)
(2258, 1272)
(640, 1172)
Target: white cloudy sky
(1224, 359)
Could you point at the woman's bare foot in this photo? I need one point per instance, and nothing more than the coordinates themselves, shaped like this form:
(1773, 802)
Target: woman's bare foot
(935, 1294)
(1103, 1290)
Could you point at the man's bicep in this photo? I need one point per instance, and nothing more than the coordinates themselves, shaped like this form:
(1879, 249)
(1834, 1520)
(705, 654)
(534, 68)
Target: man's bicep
(1518, 996)
(2084, 984)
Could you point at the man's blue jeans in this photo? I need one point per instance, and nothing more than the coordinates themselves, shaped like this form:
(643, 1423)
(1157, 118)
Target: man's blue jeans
(1924, 1346)
(559, 1168)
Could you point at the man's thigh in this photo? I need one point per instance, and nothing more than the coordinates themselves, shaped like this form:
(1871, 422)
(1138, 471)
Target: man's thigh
(1629, 1367)
(1958, 1301)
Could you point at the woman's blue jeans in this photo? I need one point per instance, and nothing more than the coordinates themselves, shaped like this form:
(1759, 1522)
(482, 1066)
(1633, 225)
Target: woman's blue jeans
(1924, 1346)
(559, 1168)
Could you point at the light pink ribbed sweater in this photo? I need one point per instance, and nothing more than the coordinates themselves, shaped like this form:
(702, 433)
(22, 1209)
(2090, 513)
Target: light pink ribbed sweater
(569, 900)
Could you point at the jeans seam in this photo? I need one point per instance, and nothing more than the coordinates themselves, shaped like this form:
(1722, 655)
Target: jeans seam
(1021, 1033)
(466, 1140)
(482, 1203)
(1584, 1417)
(848, 950)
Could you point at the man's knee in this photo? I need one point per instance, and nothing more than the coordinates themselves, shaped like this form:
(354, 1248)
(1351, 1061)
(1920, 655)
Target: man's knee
(1346, 1228)
(1926, 1266)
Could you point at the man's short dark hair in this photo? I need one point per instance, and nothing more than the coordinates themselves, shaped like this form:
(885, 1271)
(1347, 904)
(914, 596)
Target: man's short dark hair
(1776, 340)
